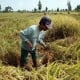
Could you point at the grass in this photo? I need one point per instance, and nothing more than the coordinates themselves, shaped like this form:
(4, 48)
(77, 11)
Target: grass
(54, 71)
(63, 41)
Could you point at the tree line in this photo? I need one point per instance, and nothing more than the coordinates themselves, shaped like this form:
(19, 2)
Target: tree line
(10, 9)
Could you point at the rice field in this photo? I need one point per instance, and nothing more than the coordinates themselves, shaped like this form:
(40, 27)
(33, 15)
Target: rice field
(63, 55)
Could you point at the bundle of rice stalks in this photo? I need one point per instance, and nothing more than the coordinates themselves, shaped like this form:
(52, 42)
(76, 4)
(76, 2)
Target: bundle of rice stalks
(63, 26)
(63, 50)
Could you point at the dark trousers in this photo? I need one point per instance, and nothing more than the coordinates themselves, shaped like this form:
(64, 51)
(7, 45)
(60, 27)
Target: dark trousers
(24, 54)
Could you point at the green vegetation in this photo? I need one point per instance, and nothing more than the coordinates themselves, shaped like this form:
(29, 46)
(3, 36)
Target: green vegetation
(64, 47)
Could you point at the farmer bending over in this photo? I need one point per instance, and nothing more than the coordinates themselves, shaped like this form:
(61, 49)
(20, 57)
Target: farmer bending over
(30, 37)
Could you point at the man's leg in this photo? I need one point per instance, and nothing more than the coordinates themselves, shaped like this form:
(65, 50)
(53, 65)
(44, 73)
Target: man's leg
(34, 58)
(24, 55)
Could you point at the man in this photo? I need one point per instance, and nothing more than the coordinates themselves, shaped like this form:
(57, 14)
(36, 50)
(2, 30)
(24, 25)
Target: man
(30, 37)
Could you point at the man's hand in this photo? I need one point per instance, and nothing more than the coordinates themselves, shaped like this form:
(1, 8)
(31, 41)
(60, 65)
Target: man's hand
(46, 48)
(29, 44)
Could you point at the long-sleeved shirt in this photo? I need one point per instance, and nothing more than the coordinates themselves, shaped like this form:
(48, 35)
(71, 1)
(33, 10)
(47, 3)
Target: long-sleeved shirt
(34, 35)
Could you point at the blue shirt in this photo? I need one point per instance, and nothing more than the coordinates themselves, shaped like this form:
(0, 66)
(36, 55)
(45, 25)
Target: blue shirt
(34, 35)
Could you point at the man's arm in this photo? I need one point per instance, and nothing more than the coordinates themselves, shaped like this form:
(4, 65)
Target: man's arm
(40, 39)
(25, 34)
